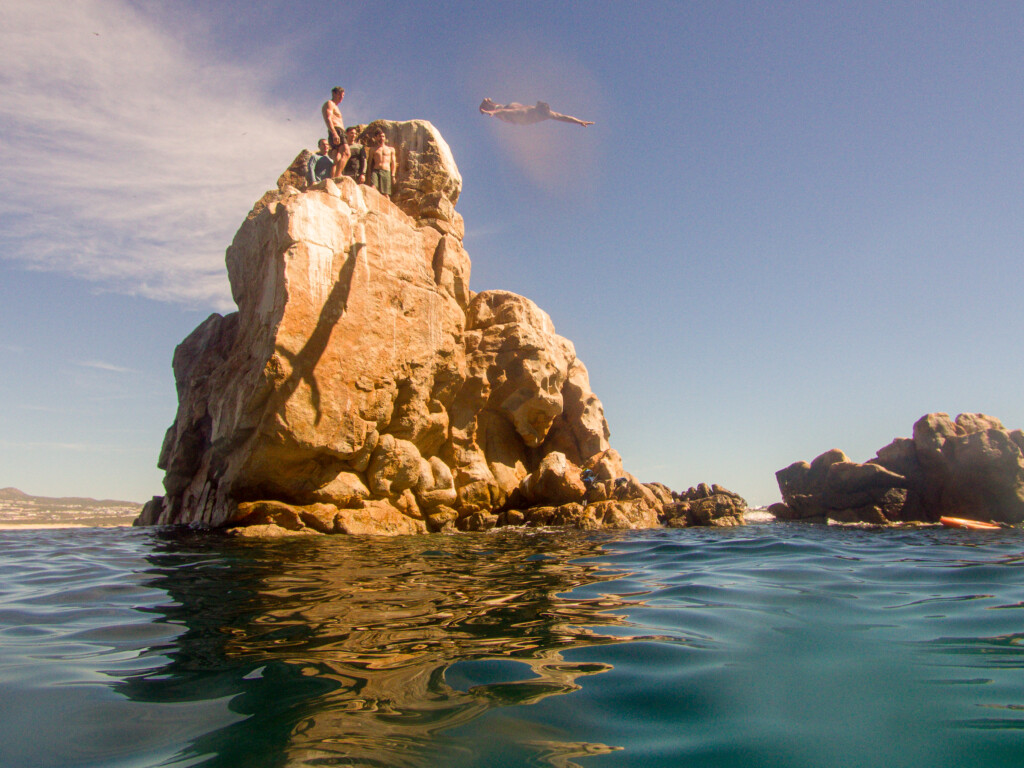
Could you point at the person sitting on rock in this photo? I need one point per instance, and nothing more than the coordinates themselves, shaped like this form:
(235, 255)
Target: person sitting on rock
(382, 165)
(320, 165)
(336, 130)
(520, 114)
(356, 165)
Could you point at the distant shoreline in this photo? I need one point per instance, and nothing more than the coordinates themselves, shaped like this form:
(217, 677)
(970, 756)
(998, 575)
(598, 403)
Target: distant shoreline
(20, 511)
(30, 526)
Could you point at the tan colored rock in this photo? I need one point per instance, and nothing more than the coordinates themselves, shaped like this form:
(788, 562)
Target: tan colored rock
(718, 510)
(478, 521)
(538, 517)
(406, 504)
(661, 491)
(442, 519)
(802, 484)
(849, 476)
(574, 515)
(900, 456)
(377, 518)
(606, 465)
(319, 517)
(969, 423)
(634, 496)
(556, 481)
(629, 514)
(793, 479)
(705, 505)
(514, 517)
(347, 489)
(295, 174)
(984, 476)
(441, 490)
(476, 488)
(268, 531)
(364, 388)
(931, 431)
(520, 363)
(396, 466)
(817, 474)
(428, 182)
(1017, 436)
(331, 329)
(270, 513)
(599, 491)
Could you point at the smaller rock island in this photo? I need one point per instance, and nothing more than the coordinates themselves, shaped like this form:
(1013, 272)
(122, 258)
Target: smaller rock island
(968, 468)
(363, 388)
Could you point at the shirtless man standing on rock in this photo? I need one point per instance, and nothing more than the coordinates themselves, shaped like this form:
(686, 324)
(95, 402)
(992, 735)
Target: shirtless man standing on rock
(336, 130)
(520, 114)
(383, 163)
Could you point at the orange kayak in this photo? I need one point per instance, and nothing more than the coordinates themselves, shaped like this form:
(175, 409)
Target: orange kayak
(963, 522)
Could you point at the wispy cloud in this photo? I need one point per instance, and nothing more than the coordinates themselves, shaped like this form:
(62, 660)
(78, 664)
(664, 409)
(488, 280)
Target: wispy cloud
(100, 365)
(127, 157)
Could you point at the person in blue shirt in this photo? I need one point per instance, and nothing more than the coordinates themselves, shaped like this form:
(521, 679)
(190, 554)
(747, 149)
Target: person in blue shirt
(320, 164)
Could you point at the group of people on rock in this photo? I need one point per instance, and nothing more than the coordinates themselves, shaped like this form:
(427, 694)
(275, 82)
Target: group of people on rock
(366, 158)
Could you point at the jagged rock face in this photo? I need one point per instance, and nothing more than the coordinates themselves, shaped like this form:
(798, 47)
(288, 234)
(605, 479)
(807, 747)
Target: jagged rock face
(703, 505)
(362, 387)
(971, 467)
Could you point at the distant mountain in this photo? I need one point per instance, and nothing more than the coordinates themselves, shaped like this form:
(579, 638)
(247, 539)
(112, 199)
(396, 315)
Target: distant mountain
(13, 494)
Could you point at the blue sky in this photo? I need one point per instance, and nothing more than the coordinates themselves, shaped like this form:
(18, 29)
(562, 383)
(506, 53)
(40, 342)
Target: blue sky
(795, 225)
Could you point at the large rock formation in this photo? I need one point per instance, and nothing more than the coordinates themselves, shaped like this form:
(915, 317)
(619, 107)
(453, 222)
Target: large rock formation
(362, 387)
(971, 467)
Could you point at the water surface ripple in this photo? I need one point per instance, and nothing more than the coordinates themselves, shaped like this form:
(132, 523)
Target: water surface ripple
(770, 645)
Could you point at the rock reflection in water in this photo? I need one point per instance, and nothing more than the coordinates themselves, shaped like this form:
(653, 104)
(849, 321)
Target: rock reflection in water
(337, 648)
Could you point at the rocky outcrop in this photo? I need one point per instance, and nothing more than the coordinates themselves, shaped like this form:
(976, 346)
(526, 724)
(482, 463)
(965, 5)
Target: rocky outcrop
(362, 387)
(704, 506)
(971, 467)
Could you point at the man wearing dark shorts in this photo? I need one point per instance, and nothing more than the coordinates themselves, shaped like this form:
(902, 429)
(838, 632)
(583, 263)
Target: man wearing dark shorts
(336, 130)
(356, 166)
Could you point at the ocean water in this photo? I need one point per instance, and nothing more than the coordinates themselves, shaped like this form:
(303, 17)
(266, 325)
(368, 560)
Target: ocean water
(769, 645)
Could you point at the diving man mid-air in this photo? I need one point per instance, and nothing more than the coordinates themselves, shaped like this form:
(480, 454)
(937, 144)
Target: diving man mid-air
(520, 114)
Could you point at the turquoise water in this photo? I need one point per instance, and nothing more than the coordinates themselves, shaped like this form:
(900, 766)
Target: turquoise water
(770, 645)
